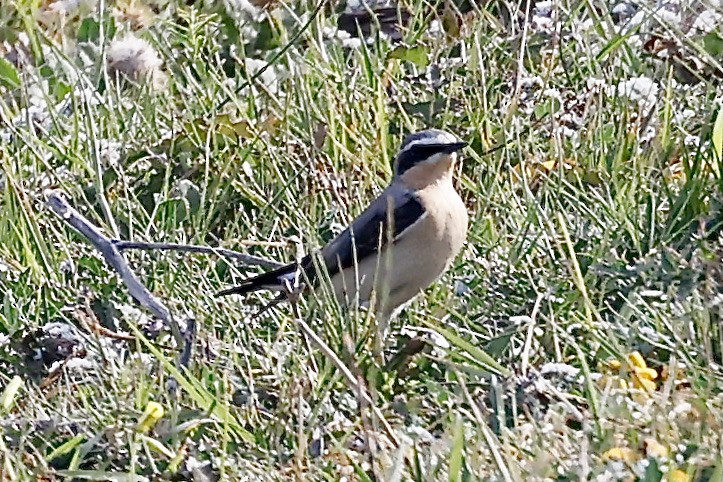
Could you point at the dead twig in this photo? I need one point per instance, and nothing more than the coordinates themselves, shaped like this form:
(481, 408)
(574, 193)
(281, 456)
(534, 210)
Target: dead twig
(112, 255)
(89, 322)
(189, 336)
(112, 251)
(247, 259)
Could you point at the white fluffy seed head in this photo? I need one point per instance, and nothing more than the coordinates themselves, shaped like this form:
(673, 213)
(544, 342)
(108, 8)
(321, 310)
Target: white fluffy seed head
(133, 58)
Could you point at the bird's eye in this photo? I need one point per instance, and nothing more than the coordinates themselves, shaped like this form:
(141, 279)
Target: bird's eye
(416, 154)
(427, 151)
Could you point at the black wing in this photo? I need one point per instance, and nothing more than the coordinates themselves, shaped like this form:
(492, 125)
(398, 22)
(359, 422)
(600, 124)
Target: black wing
(384, 220)
(382, 223)
(271, 280)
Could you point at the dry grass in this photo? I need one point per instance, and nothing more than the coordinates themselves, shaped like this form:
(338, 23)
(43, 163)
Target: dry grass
(591, 279)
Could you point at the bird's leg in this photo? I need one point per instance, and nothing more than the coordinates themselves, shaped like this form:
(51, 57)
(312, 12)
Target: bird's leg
(271, 304)
(291, 293)
(296, 286)
(293, 288)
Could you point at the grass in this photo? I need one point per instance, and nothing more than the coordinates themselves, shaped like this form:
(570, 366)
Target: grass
(591, 276)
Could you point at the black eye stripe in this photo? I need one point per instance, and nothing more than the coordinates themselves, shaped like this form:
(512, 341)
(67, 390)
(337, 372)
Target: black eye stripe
(427, 150)
(415, 154)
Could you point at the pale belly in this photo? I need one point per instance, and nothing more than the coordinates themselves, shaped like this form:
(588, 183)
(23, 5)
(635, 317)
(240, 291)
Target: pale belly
(385, 283)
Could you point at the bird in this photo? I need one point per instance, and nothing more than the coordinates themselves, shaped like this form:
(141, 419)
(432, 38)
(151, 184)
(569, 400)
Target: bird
(399, 245)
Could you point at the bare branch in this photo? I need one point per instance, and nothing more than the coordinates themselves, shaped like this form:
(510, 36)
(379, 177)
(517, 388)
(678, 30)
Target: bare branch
(244, 258)
(112, 255)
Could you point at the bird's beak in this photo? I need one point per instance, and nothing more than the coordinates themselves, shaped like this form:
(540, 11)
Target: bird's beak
(454, 147)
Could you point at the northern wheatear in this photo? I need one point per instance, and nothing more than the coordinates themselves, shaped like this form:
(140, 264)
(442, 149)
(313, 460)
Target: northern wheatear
(400, 244)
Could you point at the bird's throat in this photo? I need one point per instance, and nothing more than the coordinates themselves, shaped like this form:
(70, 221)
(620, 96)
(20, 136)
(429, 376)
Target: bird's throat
(424, 175)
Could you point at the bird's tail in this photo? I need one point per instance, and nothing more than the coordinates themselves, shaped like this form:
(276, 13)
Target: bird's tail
(271, 280)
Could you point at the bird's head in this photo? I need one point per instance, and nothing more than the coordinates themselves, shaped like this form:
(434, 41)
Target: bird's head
(427, 154)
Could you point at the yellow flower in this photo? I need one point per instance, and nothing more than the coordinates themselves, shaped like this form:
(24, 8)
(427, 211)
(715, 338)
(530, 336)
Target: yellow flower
(642, 376)
(636, 360)
(614, 364)
(620, 453)
(678, 475)
(655, 449)
(152, 414)
(648, 385)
